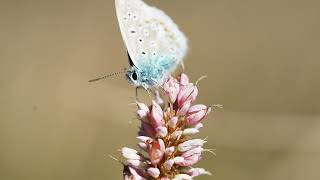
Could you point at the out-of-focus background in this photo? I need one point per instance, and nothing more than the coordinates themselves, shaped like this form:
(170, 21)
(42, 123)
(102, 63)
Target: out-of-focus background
(262, 59)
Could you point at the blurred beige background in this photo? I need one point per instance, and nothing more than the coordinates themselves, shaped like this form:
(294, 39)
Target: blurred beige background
(262, 58)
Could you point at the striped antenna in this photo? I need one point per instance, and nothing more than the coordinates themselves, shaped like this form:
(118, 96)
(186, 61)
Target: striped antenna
(109, 75)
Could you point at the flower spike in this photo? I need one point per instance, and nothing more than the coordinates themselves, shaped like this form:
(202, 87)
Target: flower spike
(166, 134)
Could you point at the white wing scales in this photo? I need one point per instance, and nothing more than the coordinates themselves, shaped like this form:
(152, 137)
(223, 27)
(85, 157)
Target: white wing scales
(148, 32)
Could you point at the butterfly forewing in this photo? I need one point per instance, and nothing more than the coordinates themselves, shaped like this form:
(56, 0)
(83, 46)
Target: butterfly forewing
(149, 34)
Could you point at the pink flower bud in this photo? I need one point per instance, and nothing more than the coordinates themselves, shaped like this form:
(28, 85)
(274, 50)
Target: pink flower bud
(143, 115)
(190, 131)
(136, 163)
(171, 88)
(183, 79)
(194, 172)
(164, 178)
(142, 106)
(144, 138)
(176, 134)
(158, 98)
(168, 164)
(184, 109)
(178, 160)
(156, 115)
(142, 145)
(190, 144)
(191, 160)
(154, 172)
(169, 150)
(130, 153)
(147, 130)
(130, 173)
(142, 112)
(173, 122)
(162, 131)
(156, 150)
(182, 177)
(192, 152)
(197, 113)
(189, 92)
(198, 126)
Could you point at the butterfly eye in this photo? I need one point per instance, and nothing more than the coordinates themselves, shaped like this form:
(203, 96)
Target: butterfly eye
(134, 76)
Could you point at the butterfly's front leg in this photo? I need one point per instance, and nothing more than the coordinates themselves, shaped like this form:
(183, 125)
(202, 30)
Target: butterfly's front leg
(182, 66)
(136, 94)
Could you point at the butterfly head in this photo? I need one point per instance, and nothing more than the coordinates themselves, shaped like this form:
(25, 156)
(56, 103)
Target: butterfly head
(133, 76)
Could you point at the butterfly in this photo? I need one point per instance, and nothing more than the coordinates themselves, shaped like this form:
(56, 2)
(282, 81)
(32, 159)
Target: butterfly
(154, 43)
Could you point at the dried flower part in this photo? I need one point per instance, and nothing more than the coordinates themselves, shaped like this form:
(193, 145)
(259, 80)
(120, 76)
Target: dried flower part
(166, 135)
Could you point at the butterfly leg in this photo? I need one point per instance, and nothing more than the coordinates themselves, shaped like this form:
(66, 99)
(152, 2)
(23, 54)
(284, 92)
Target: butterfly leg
(136, 95)
(157, 83)
(182, 65)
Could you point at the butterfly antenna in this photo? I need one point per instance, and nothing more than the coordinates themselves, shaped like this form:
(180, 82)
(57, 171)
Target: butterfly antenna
(107, 76)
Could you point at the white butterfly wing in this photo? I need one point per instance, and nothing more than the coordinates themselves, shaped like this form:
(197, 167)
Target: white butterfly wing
(149, 33)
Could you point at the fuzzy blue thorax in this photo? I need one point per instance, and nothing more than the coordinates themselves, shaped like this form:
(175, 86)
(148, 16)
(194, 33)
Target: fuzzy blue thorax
(149, 73)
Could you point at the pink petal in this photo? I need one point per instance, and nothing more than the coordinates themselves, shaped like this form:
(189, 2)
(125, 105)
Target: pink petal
(158, 98)
(154, 172)
(156, 151)
(156, 115)
(191, 160)
(183, 79)
(184, 109)
(190, 92)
